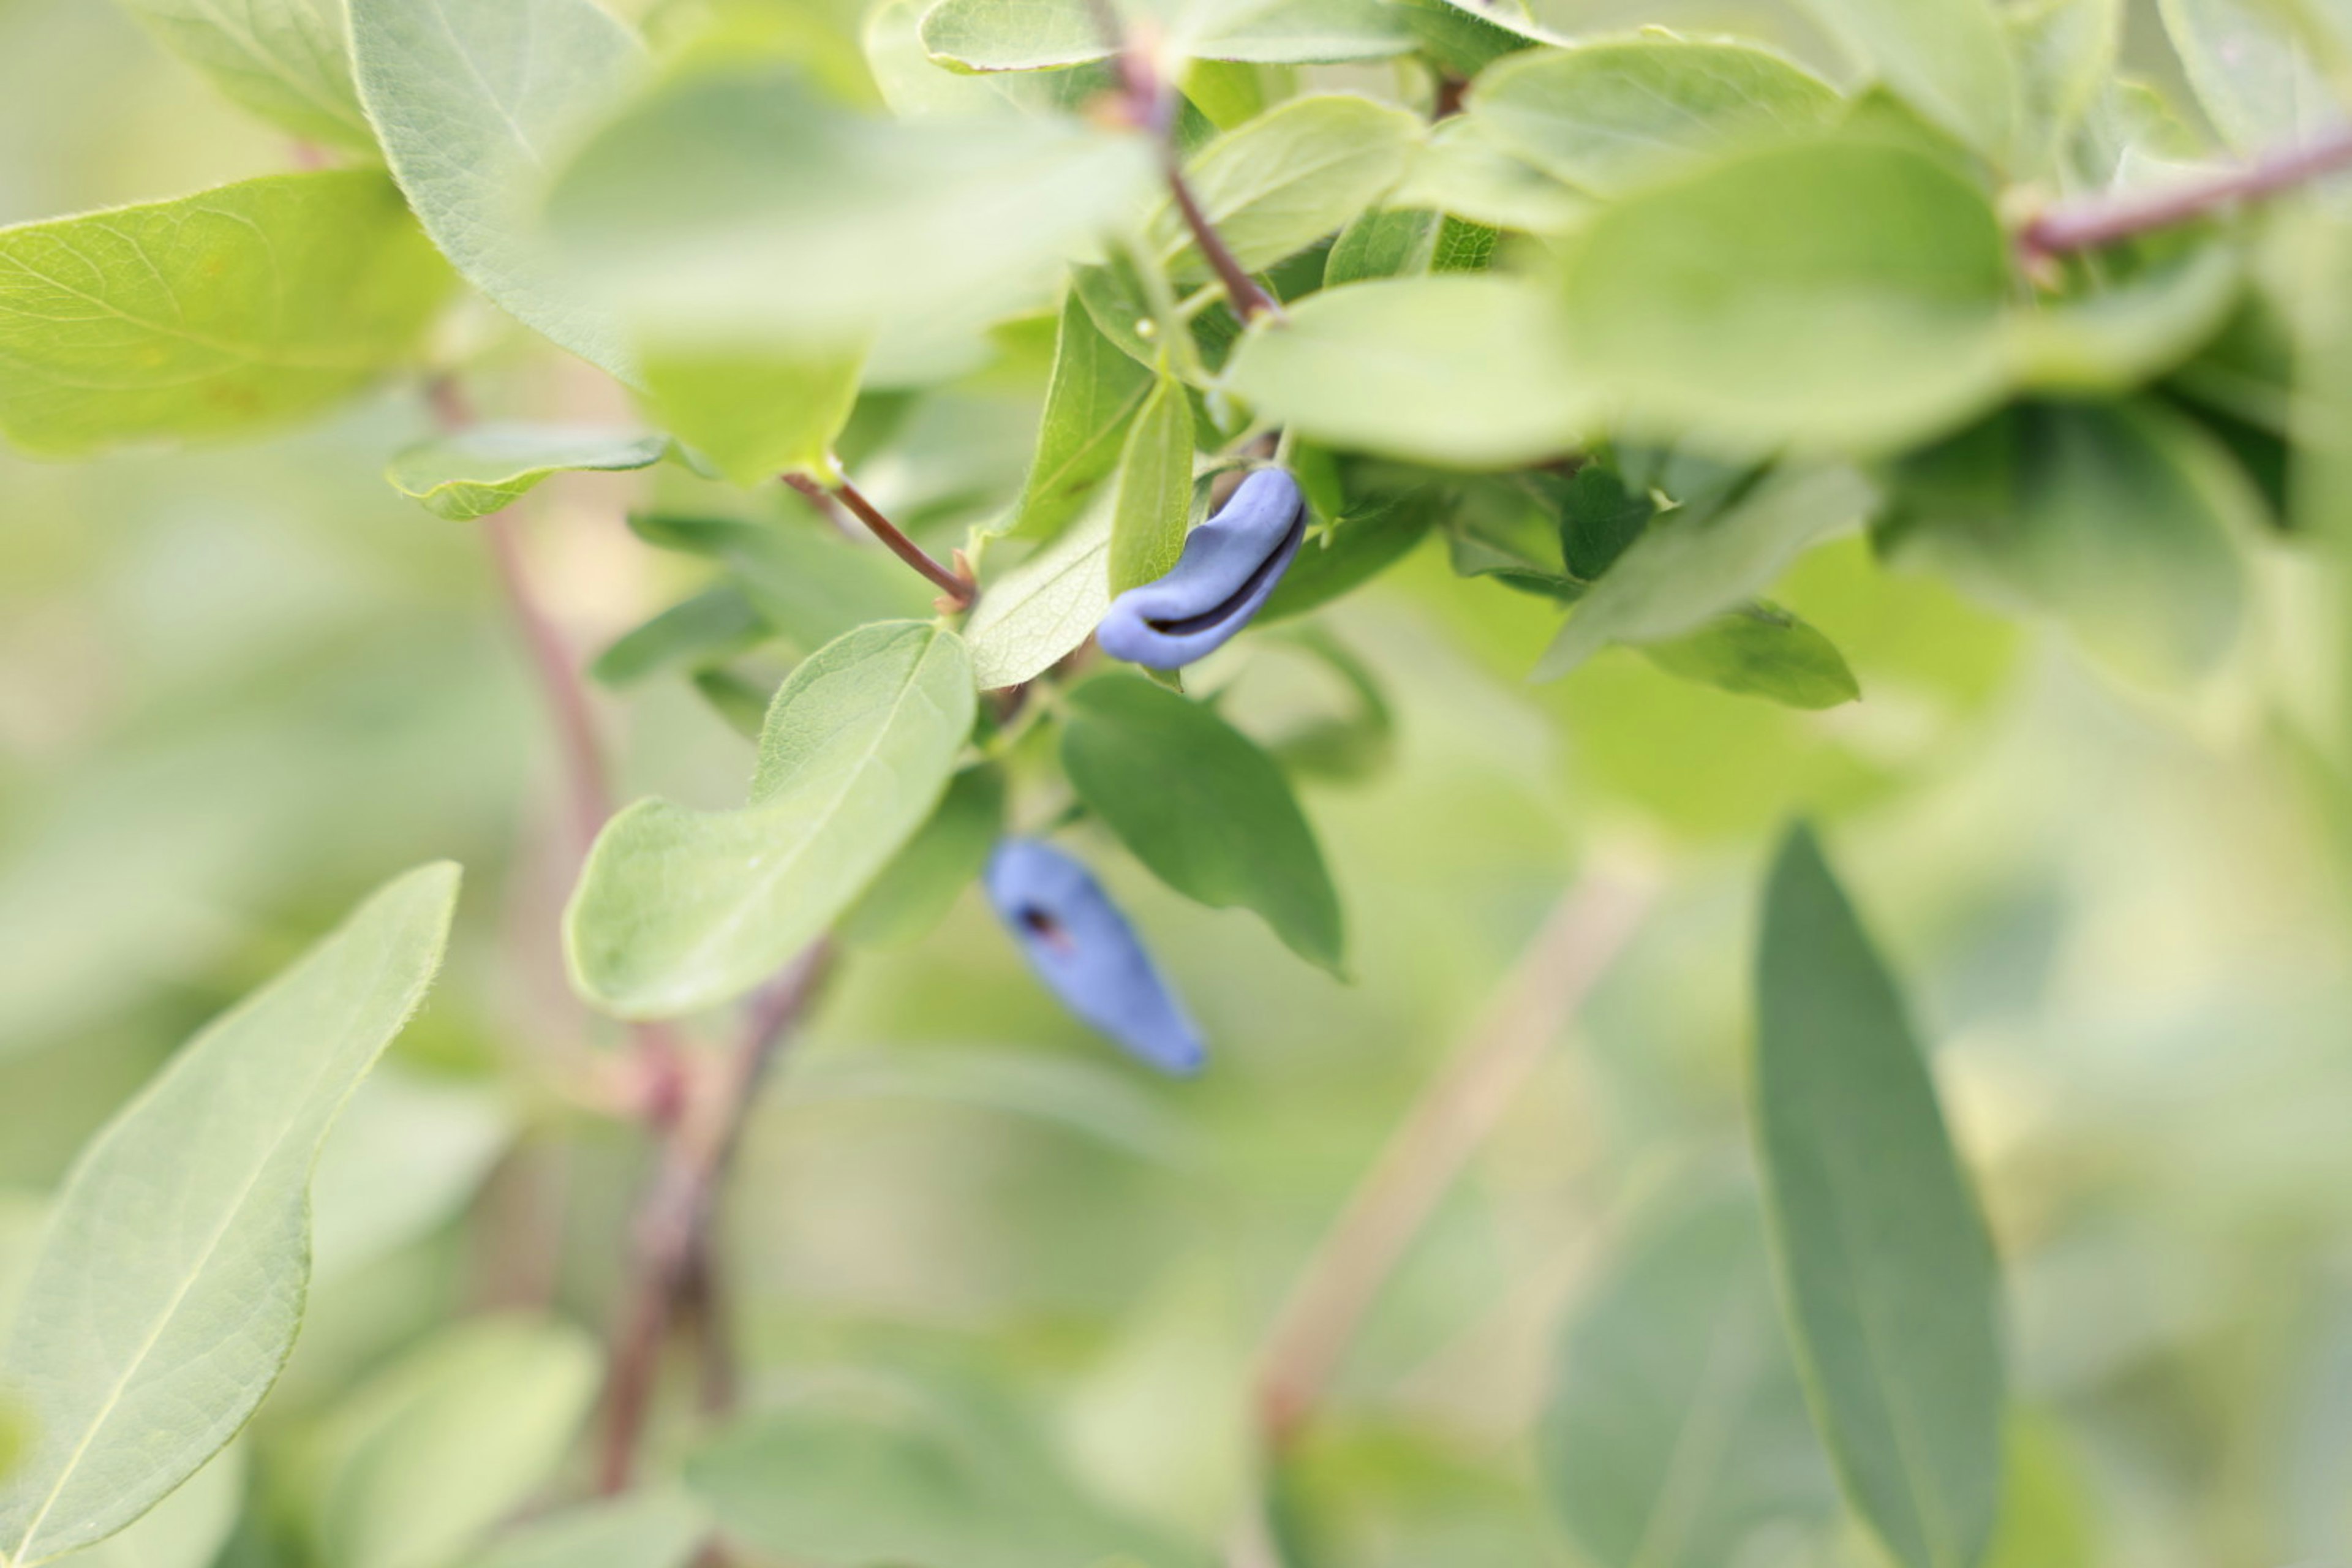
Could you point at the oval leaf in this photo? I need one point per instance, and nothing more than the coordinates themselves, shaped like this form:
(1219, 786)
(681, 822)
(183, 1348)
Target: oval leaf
(1761, 650)
(168, 1293)
(1947, 58)
(1290, 176)
(1090, 401)
(679, 910)
(1152, 499)
(490, 466)
(1045, 609)
(288, 61)
(1886, 1270)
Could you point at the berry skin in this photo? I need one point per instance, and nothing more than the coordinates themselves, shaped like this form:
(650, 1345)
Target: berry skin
(1087, 953)
(1229, 568)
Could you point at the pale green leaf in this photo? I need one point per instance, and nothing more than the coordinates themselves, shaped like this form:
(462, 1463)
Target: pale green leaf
(2117, 338)
(474, 102)
(1383, 242)
(2252, 71)
(1686, 569)
(1041, 35)
(1947, 58)
(481, 470)
(715, 623)
(432, 1452)
(408, 1155)
(168, 1293)
(210, 315)
(1761, 650)
(187, 1528)
(915, 891)
(288, 61)
(646, 1529)
(1674, 1434)
(1461, 169)
(804, 583)
(2065, 56)
(1204, 806)
(1466, 370)
(1285, 180)
(1089, 403)
(1886, 1269)
(755, 412)
(1151, 495)
(1606, 116)
(1043, 610)
(679, 910)
(1835, 296)
(1467, 35)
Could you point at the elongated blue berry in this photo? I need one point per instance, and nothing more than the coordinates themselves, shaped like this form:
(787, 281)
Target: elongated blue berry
(1087, 953)
(1230, 565)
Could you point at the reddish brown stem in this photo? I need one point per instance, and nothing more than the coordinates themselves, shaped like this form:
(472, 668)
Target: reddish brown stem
(960, 589)
(672, 1226)
(2095, 221)
(1242, 291)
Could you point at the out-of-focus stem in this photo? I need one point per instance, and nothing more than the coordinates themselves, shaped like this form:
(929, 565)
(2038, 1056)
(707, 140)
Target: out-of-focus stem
(2090, 222)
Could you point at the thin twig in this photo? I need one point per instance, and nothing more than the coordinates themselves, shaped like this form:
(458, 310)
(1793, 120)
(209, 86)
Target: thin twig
(2090, 222)
(673, 1218)
(957, 587)
(1242, 291)
(1428, 1151)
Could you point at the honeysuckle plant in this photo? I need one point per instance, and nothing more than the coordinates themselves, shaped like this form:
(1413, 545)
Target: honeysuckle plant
(1625, 323)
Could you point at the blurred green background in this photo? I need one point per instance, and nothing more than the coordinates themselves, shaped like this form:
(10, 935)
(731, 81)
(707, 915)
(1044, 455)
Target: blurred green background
(238, 687)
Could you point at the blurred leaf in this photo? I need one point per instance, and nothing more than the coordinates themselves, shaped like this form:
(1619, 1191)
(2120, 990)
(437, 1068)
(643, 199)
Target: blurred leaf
(807, 585)
(187, 1528)
(1606, 116)
(1463, 171)
(408, 1154)
(2113, 339)
(1383, 242)
(478, 471)
(288, 61)
(233, 309)
(1600, 518)
(1091, 400)
(1349, 747)
(1289, 177)
(1688, 568)
(712, 624)
(1674, 1434)
(1836, 295)
(804, 222)
(1151, 495)
(646, 1529)
(1947, 58)
(473, 103)
(13, 1436)
(1761, 650)
(679, 910)
(429, 1455)
(1360, 543)
(1039, 34)
(2045, 1512)
(168, 1293)
(741, 703)
(1465, 38)
(755, 412)
(1201, 804)
(1887, 1274)
(2252, 73)
(2125, 520)
(864, 1473)
(1043, 610)
(2065, 53)
(916, 889)
(1468, 370)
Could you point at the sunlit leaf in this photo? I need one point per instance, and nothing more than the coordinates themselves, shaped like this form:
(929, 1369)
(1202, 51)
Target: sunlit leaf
(679, 910)
(1039, 613)
(288, 61)
(1888, 1275)
(168, 1294)
(236, 309)
(481, 470)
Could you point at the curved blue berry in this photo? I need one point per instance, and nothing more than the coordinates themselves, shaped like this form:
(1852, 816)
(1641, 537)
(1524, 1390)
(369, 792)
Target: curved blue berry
(1230, 565)
(1087, 953)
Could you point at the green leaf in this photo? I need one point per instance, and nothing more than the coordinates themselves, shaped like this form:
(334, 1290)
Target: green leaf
(1360, 543)
(215, 314)
(806, 223)
(488, 467)
(1041, 35)
(1600, 518)
(2125, 520)
(1607, 117)
(1465, 369)
(1887, 1272)
(1463, 171)
(473, 104)
(429, 1455)
(408, 1155)
(1045, 609)
(755, 412)
(804, 583)
(2252, 70)
(1675, 1433)
(869, 1470)
(1351, 745)
(187, 1528)
(679, 910)
(2115, 338)
(1761, 650)
(2065, 52)
(1089, 403)
(1465, 38)
(1151, 498)
(1383, 242)
(150, 1328)
(1201, 804)
(645, 1529)
(1835, 296)
(1289, 177)
(713, 624)
(916, 891)
(1947, 58)
(288, 61)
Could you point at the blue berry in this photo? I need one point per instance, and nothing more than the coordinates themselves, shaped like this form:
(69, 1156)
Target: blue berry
(1229, 568)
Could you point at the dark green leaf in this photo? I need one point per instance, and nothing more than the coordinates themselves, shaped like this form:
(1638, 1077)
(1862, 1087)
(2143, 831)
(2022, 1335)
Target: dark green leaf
(1360, 543)
(1599, 518)
(915, 890)
(1761, 650)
